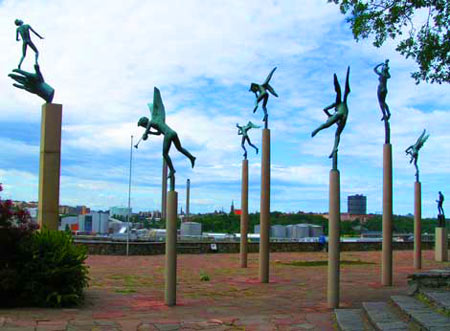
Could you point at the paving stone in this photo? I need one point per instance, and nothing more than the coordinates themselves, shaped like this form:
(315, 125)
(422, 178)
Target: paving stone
(167, 327)
(382, 317)
(440, 298)
(419, 313)
(17, 328)
(146, 327)
(350, 320)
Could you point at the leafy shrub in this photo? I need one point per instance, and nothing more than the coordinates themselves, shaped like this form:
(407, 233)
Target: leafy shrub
(204, 277)
(15, 226)
(38, 268)
(54, 273)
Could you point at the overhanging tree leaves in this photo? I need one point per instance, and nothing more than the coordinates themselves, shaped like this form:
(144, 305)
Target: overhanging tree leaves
(428, 44)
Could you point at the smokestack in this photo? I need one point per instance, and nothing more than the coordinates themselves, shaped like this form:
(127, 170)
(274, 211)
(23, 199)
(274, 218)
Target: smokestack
(188, 191)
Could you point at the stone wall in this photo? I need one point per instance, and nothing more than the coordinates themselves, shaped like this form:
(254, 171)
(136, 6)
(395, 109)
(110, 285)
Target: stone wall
(98, 247)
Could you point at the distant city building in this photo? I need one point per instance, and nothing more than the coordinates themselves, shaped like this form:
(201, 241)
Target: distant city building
(190, 229)
(94, 222)
(357, 204)
(119, 211)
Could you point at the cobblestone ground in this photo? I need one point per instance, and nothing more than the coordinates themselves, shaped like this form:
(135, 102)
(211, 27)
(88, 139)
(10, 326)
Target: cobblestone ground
(127, 293)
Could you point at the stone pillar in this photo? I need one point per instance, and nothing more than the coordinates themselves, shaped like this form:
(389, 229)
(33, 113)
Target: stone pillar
(244, 214)
(441, 245)
(264, 221)
(164, 191)
(417, 226)
(171, 250)
(188, 193)
(334, 219)
(386, 261)
(49, 166)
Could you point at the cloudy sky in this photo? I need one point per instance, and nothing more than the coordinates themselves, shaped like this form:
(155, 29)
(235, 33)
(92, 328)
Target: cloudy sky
(104, 58)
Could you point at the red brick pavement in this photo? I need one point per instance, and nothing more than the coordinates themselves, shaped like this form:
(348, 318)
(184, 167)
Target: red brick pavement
(128, 293)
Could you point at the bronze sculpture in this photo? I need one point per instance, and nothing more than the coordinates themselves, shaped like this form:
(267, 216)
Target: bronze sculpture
(339, 117)
(24, 31)
(413, 151)
(261, 94)
(383, 76)
(158, 122)
(243, 130)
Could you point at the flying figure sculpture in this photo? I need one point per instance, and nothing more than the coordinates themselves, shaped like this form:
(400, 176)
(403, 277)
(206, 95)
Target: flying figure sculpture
(24, 31)
(242, 130)
(158, 122)
(413, 151)
(339, 117)
(261, 94)
(383, 76)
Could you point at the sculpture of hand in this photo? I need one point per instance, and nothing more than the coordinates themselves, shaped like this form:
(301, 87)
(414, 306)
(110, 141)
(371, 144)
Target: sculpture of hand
(33, 83)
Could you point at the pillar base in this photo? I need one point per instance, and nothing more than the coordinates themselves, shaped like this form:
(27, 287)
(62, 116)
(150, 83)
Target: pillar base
(264, 250)
(244, 215)
(386, 259)
(441, 245)
(171, 250)
(334, 240)
(49, 166)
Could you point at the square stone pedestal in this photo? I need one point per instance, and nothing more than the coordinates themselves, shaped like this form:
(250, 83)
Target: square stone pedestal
(441, 245)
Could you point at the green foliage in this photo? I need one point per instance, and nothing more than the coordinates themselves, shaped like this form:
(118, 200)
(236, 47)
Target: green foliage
(53, 273)
(204, 277)
(230, 223)
(428, 45)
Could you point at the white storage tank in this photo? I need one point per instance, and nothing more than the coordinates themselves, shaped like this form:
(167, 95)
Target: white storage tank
(300, 231)
(315, 230)
(191, 229)
(278, 231)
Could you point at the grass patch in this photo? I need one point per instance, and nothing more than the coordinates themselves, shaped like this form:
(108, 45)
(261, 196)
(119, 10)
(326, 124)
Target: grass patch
(424, 299)
(323, 263)
(125, 290)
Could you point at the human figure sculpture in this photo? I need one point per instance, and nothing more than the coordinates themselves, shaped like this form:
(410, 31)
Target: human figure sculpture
(440, 202)
(243, 130)
(383, 76)
(261, 93)
(158, 122)
(33, 83)
(24, 31)
(413, 151)
(339, 117)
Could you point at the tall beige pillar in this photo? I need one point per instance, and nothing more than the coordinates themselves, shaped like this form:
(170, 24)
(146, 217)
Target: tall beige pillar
(417, 226)
(164, 190)
(264, 221)
(188, 197)
(334, 239)
(171, 250)
(244, 214)
(441, 245)
(386, 260)
(49, 166)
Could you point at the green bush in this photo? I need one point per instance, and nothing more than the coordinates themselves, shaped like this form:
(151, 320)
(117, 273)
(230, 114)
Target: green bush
(54, 273)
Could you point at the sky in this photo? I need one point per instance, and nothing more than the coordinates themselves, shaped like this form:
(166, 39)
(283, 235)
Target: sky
(105, 57)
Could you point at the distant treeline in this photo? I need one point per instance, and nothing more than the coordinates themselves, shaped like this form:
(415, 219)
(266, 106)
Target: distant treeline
(228, 223)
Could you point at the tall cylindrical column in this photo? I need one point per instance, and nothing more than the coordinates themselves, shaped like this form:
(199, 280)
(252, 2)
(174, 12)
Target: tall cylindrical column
(417, 226)
(244, 214)
(49, 166)
(334, 217)
(164, 191)
(171, 250)
(441, 245)
(386, 261)
(188, 194)
(264, 221)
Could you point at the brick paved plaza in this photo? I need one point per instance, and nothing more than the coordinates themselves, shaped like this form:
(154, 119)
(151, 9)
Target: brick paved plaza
(128, 293)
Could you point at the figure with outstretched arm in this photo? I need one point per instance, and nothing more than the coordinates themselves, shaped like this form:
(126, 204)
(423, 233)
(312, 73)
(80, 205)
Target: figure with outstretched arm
(262, 94)
(383, 76)
(339, 117)
(413, 151)
(243, 130)
(158, 123)
(24, 31)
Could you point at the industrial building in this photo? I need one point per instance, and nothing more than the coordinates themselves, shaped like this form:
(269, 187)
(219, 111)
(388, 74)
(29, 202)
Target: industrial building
(357, 204)
(94, 222)
(293, 231)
